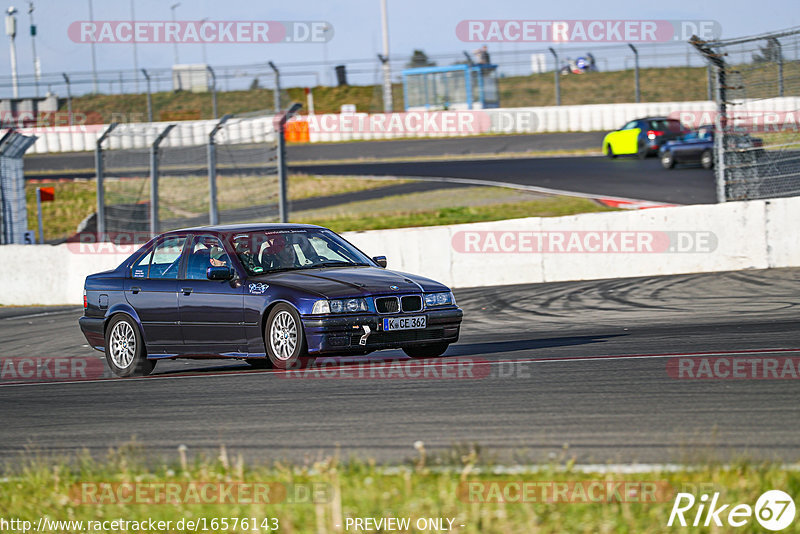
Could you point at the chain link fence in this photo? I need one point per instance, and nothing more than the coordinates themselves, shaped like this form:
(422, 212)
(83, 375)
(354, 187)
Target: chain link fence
(757, 124)
(156, 177)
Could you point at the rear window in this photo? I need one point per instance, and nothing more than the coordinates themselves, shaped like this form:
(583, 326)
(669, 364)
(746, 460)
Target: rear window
(666, 125)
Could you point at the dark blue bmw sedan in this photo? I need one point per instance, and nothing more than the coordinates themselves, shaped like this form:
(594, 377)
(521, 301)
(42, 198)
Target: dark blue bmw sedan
(269, 294)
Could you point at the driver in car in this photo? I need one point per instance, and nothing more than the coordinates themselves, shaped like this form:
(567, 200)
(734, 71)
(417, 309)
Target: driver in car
(279, 254)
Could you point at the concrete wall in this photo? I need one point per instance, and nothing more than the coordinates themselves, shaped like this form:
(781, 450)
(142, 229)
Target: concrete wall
(329, 127)
(737, 235)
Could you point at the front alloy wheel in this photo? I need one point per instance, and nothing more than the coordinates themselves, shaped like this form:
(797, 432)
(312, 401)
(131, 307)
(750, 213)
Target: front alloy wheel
(125, 352)
(284, 337)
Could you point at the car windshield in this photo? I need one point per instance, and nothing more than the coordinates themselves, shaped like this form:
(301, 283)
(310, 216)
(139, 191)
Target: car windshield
(294, 249)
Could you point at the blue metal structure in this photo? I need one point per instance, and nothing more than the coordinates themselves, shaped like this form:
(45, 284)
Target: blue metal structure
(452, 87)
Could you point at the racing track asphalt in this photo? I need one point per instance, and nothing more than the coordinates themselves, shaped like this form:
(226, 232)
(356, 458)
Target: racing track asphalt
(576, 369)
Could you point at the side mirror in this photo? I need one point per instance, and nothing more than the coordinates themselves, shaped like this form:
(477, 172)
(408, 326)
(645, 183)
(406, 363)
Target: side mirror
(380, 260)
(219, 273)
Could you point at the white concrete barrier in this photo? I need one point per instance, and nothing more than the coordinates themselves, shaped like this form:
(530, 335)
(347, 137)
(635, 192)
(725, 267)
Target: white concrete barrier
(334, 127)
(737, 235)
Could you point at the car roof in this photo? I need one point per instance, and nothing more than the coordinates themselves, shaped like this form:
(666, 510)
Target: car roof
(234, 228)
(656, 119)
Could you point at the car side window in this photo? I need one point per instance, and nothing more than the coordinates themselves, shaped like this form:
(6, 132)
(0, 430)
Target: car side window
(207, 251)
(167, 258)
(630, 126)
(141, 268)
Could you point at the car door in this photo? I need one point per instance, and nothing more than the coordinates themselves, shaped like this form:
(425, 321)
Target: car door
(152, 292)
(212, 314)
(626, 140)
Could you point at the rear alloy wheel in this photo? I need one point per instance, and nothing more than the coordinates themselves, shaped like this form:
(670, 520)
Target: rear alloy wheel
(284, 338)
(125, 353)
(610, 152)
(707, 159)
(426, 351)
(667, 161)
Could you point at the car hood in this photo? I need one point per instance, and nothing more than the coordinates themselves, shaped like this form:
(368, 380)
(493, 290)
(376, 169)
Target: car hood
(340, 282)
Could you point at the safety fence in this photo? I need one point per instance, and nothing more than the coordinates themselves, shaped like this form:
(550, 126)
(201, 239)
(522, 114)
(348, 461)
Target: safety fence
(757, 148)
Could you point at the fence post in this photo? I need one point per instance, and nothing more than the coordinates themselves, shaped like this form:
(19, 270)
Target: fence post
(149, 98)
(69, 97)
(213, 213)
(100, 172)
(277, 96)
(780, 67)
(558, 81)
(213, 90)
(709, 83)
(636, 72)
(283, 168)
(154, 179)
(716, 59)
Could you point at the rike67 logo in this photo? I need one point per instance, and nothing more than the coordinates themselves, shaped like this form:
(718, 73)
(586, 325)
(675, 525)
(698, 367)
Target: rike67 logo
(774, 510)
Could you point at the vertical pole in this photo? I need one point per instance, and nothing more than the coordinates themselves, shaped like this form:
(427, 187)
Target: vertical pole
(213, 212)
(636, 72)
(719, 134)
(149, 97)
(283, 208)
(558, 81)
(153, 190)
(283, 168)
(135, 53)
(277, 95)
(780, 68)
(100, 172)
(36, 68)
(154, 179)
(39, 214)
(94, 57)
(69, 98)
(101, 201)
(388, 104)
(709, 83)
(213, 90)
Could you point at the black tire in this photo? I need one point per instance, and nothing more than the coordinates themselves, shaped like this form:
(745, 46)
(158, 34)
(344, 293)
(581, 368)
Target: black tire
(707, 159)
(282, 353)
(259, 363)
(610, 152)
(122, 359)
(667, 160)
(426, 351)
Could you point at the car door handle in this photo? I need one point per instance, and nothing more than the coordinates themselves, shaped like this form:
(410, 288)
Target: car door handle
(135, 289)
(187, 290)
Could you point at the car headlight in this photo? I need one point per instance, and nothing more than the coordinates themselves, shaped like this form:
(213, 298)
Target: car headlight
(339, 306)
(439, 299)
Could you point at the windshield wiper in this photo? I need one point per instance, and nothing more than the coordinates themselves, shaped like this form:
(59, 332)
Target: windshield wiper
(334, 264)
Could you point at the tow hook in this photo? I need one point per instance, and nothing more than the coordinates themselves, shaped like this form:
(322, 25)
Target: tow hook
(363, 339)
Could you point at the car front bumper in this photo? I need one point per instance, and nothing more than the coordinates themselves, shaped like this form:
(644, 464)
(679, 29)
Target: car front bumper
(334, 334)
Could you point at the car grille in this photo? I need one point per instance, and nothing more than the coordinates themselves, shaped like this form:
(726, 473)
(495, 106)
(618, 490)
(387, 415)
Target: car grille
(401, 336)
(387, 305)
(411, 303)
